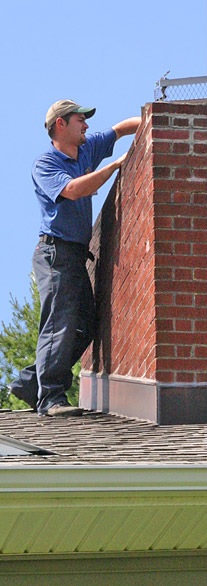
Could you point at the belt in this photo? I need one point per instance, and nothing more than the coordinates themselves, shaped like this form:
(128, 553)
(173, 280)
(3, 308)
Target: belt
(48, 239)
(52, 239)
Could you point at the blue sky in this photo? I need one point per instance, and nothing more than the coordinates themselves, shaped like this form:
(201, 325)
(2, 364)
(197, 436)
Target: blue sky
(104, 54)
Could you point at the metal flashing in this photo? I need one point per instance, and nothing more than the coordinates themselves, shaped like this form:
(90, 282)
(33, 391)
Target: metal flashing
(13, 447)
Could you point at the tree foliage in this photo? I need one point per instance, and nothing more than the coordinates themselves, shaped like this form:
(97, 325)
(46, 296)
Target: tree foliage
(18, 343)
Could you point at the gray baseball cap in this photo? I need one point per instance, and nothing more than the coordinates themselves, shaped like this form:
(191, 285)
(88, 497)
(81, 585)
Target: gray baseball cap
(64, 107)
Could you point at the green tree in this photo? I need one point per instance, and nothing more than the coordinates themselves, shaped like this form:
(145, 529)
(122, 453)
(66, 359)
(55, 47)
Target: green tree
(18, 343)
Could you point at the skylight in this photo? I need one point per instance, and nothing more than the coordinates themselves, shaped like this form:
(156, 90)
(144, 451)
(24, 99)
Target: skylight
(12, 447)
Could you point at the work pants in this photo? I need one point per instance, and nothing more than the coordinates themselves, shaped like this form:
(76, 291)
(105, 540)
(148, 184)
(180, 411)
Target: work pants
(66, 323)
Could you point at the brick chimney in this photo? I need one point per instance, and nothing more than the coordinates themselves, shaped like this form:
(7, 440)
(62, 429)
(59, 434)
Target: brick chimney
(149, 357)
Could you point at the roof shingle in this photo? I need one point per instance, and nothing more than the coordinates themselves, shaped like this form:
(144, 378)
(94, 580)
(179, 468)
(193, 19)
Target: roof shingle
(98, 438)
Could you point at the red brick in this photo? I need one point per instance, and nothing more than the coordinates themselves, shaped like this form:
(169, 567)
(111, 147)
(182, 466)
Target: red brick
(166, 376)
(182, 173)
(163, 222)
(164, 247)
(171, 134)
(180, 198)
(201, 377)
(202, 122)
(163, 273)
(201, 351)
(200, 173)
(161, 171)
(201, 300)
(179, 185)
(201, 325)
(164, 324)
(183, 274)
(200, 148)
(172, 160)
(200, 274)
(163, 197)
(177, 364)
(180, 147)
(184, 312)
(184, 377)
(161, 146)
(200, 135)
(200, 223)
(176, 285)
(184, 299)
(185, 337)
(179, 210)
(180, 261)
(180, 122)
(200, 249)
(175, 235)
(166, 350)
(161, 120)
(182, 223)
(182, 248)
(199, 198)
(164, 299)
(183, 325)
(184, 351)
(169, 159)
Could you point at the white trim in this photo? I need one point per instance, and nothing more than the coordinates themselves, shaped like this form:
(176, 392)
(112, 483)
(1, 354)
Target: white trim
(132, 379)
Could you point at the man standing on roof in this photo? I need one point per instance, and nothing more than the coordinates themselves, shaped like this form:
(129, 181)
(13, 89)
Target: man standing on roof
(65, 178)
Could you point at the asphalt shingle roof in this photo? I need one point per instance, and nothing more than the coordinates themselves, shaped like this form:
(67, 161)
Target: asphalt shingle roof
(102, 439)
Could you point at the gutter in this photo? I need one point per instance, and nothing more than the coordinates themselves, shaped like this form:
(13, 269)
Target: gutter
(87, 479)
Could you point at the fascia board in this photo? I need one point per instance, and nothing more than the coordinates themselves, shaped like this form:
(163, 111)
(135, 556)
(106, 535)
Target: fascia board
(85, 479)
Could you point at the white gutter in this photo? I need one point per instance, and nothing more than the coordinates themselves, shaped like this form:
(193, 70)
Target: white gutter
(156, 478)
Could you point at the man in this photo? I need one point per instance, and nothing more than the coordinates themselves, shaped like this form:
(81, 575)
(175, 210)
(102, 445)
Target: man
(65, 178)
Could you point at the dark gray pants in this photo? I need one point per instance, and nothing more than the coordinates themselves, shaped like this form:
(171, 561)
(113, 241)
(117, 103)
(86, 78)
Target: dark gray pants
(66, 323)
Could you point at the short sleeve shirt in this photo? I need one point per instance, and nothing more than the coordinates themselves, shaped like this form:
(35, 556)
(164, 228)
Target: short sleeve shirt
(51, 172)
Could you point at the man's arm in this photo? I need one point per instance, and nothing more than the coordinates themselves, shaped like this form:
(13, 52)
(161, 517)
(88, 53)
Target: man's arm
(87, 184)
(128, 126)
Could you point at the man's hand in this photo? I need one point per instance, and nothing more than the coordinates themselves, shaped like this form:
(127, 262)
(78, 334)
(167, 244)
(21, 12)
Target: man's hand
(120, 160)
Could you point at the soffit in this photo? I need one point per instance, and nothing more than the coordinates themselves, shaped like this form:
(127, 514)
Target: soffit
(95, 521)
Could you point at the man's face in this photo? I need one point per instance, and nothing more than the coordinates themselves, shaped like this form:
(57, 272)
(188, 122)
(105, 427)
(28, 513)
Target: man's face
(76, 129)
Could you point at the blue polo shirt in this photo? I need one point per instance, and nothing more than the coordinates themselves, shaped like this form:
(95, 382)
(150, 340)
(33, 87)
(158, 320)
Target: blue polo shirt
(61, 217)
